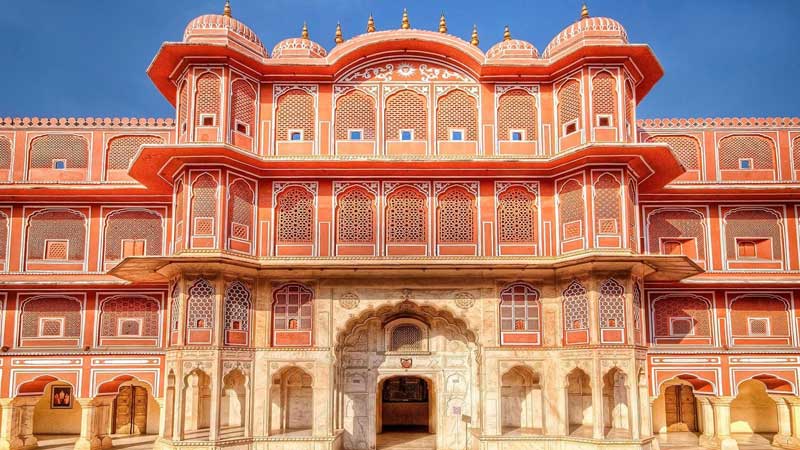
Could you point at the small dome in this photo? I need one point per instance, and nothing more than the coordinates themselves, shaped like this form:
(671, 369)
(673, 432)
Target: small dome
(298, 48)
(223, 29)
(512, 48)
(588, 28)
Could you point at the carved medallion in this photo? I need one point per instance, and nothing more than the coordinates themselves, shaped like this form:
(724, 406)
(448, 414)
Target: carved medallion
(349, 301)
(406, 363)
(464, 300)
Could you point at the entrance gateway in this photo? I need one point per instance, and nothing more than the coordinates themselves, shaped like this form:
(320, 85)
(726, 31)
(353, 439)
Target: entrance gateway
(408, 377)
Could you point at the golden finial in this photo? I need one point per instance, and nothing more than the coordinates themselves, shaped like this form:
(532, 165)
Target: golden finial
(226, 11)
(584, 11)
(370, 24)
(474, 41)
(304, 33)
(442, 24)
(506, 34)
(339, 39)
(405, 25)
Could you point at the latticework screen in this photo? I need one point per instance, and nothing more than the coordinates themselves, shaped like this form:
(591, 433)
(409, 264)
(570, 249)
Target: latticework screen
(68, 147)
(183, 108)
(118, 309)
(355, 217)
(685, 148)
(243, 106)
(406, 214)
(569, 103)
(200, 305)
(406, 338)
(56, 225)
(456, 217)
(571, 209)
(204, 205)
(604, 96)
(180, 212)
(355, 110)
(237, 307)
(676, 224)
(743, 310)
(516, 213)
(295, 111)
(576, 307)
(241, 207)
(611, 304)
(607, 205)
(122, 149)
(697, 311)
(295, 216)
(758, 148)
(457, 110)
(207, 98)
(51, 307)
(516, 110)
(5, 152)
(753, 223)
(135, 224)
(4, 223)
(406, 110)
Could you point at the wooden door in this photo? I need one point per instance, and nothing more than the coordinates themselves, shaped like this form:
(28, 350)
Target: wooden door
(680, 409)
(130, 415)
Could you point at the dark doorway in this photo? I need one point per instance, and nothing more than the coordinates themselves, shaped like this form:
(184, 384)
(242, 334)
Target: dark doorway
(680, 408)
(405, 405)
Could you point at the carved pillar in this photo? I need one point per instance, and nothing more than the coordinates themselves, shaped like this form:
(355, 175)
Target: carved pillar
(25, 407)
(634, 413)
(794, 412)
(784, 434)
(722, 422)
(164, 428)
(7, 426)
(706, 421)
(558, 422)
(88, 439)
(321, 425)
(598, 410)
(102, 422)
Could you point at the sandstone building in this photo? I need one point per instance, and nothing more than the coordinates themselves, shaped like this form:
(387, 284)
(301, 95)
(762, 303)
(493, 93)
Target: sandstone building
(401, 236)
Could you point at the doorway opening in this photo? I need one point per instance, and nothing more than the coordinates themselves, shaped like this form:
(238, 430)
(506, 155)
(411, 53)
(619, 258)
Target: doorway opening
(405, 405)
(680, 408)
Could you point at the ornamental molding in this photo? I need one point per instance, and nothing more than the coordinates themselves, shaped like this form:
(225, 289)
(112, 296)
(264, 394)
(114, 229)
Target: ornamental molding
(404, 71)
(719, 122)
(464, 300)
(441, 90)
(500, 89)
(86, 122)
(441, 186)
(349, 300)
(341, 186)
(502, 186)
(422, 89)
(339, 90)
(279, 89)
(279, 186)
(389, 186)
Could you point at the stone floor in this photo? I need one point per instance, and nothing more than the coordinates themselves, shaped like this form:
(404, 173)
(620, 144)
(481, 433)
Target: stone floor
(67, 442)
(400, 440)
(688, 441)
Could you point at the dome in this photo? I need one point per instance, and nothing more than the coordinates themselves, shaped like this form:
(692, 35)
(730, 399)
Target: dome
(588, 28)
(223, 29)
(512, 48)
(298, 48)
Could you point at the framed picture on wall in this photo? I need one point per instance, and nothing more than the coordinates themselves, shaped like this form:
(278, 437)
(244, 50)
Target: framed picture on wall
(62, 397)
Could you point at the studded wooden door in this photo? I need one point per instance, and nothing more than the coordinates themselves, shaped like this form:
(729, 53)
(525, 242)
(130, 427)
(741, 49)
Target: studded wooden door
(130, 415)
(680, 409)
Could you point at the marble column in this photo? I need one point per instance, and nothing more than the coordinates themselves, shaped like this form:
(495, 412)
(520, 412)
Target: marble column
(707, 421)
(88, 439)
(25, 407)
(7, 426)
(634, 413)
(722, 422)
(783, 436)
(794, 411)
(598, 409)
(164, 428)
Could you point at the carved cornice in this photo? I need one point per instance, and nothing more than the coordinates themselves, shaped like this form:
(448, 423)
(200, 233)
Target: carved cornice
(718, 122)
(86, 122)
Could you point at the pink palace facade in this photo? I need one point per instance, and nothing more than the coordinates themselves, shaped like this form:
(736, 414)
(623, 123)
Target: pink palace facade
(400, 236)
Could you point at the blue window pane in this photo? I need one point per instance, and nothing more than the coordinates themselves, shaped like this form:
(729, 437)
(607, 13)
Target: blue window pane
(744, 164)
(296, 136)
(60, 165)
(355, 135)
(516, 135)
(405, 135)
(457, 136)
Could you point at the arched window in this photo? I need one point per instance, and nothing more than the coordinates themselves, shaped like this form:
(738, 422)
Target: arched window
(4, 232)
(517, 112)
(183, 111)
(519, 314)
(571, 211)
(207, 101)
(295, 116)
(355, 217)
(129, 317)
(200, 305)
(121, 151)
(355, 111)
(753, 234)
(58, 154)
(295, 216)
(611, 304)
(686, 150)
(175, 309)
(637, 312)
(56, 236)
(607, 206)
(204, 206)
(679, 317)
(5, 153)
(132, 233)
(576, 307)
(406, 337)
(569, 108)
(517, 216)
(677, 231)
(50, 317)
(406, 216)
(456, 217)
(604, 100)
(630, 112)
(759, 150)
(457, 111)
(292, 312)
(760, 319)
(243, 108)
(180, 216)
(633, 223)
(796, 153)
(406, 111)
(237, 313)
(241, 208)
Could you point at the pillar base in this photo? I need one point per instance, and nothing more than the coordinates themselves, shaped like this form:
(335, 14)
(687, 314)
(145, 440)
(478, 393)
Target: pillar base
(708, 441)
(88, 444)
(105, 442)
(786, 442)
(728, 444)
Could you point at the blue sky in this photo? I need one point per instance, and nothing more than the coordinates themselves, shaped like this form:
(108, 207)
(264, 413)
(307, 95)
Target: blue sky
(88, 57)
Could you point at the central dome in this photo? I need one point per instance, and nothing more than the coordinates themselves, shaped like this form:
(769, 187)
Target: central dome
(512, 48)
(223, 29)
(587, 29)
(298, 48)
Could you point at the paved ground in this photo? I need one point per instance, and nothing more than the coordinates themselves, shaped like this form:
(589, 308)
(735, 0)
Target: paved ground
(60, 442)
(406, 441)
(688, 441)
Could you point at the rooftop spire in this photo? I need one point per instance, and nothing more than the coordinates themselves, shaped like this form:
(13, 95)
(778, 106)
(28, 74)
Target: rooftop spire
(506, 34)
(338, 38)
(405, 24)
(304, 32)
(370, 24)
(584, 11)
(474, 41)
(226, 11)
(442, 24)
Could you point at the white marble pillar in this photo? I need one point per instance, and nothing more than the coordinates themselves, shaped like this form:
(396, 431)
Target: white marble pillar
(25, 407)
(7, 426)
(722, 422)
(88, 439)
(598, 408)
(794, 411)
(784, 434)
(706, 421)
